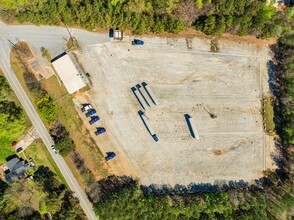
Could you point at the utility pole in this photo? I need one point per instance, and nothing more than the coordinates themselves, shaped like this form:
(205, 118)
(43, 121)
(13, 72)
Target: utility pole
(12, 43)
(72, 40)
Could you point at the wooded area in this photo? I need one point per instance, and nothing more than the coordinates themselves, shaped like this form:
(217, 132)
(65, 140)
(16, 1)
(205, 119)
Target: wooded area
(11, 115)
(12, 119)
(18, 201)
(122, 198)
(157, 16)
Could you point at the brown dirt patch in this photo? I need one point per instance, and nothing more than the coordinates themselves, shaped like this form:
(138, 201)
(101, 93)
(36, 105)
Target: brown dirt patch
(24, 51)
(217, 152)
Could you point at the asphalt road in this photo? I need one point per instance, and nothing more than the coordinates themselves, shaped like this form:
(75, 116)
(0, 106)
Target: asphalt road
(37, 122)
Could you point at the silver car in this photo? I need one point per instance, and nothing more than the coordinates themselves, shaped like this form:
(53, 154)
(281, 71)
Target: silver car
(54, 150)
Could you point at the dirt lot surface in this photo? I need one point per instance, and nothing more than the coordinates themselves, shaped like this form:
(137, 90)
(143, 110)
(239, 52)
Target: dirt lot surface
(227, 85)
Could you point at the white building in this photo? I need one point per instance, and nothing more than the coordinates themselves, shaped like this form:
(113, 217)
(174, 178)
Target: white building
(68, 73)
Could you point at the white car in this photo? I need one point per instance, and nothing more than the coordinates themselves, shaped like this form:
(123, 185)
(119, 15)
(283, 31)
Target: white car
(54, 150)
(86, 107)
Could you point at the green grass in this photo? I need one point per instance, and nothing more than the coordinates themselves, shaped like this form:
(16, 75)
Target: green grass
(72, 43)
(268, 115)
(38, 151)
(6, 149)
(56, 90)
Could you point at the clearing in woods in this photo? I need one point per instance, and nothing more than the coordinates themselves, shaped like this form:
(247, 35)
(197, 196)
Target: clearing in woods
(221, 91)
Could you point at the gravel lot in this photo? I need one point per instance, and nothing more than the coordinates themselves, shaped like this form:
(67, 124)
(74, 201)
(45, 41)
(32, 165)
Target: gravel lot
(228, 84)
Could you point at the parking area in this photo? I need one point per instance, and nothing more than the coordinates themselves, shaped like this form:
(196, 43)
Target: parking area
(221, 92)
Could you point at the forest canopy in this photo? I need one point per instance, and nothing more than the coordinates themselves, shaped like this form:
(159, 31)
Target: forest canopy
(157, 16)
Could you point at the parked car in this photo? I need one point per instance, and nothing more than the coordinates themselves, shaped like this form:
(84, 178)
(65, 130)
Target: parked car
(110, 155)
(54, 150)
(94, 119)
(100, 131)
(137, 42)
(14, 143)
(86, 107)
(18, 150)
(32, 162)
(91, 112)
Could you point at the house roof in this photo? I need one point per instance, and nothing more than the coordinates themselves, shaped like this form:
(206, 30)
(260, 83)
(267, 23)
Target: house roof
(11, 177)
(11, 163)
(20, 167)
(16, 168)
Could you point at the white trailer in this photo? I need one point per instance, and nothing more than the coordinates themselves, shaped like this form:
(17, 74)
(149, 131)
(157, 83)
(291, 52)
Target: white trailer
(149, 128)
(148, 125)
(153, 97)
(141, 99)
(146, 96)
(193, 128)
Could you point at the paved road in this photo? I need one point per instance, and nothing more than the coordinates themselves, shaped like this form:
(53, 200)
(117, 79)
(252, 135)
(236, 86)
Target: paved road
(33, 115)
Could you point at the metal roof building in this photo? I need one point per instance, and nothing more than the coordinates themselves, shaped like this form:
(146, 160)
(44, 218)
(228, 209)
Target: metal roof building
(68, 73)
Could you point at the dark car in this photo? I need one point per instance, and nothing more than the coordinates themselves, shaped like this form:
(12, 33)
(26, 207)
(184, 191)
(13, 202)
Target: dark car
(111, 32)
(94, 119)
(100, 131)
(137, 42)
(110, 155)
(18, 150)
(91, 112)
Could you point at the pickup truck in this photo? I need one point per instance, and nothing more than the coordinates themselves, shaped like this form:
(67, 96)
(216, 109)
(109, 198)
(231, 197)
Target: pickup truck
(86, 107)
(100, 131)
(94, 119)
(90, 112)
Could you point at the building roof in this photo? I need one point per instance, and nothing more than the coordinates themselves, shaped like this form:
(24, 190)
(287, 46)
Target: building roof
(16, 169)
(68, 73)
(20, 167)
(11, 163)
(11, 177)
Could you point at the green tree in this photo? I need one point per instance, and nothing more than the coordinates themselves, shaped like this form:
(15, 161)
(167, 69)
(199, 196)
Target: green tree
(46, 107)
(209, 26)
(199, 4)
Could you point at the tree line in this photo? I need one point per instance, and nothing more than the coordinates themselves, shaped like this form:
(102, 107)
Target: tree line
(243, 17)
(139, 16)
(122, 198)
(215, 17)
(12, 118)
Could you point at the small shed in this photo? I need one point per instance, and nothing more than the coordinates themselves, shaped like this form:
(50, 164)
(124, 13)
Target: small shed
(118, 35)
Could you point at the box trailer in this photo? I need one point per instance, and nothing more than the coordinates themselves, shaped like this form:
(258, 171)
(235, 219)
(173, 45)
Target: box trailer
(149, 128)
(140, 98)
(146, 96)
(193, 128)
(153, 97)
